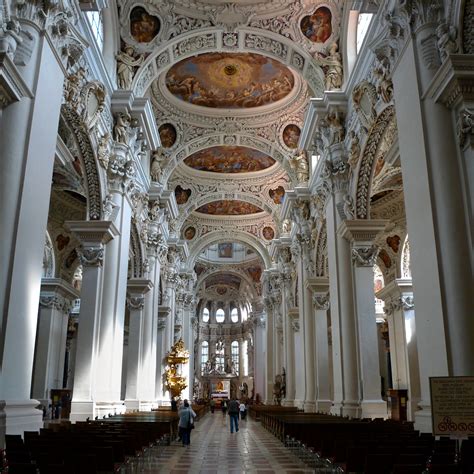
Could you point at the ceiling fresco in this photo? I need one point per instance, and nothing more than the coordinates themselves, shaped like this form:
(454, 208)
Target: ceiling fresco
(317, 27)
(238, 80)
(228, 208)
(143, 26)
(226, 279)
(229, 159)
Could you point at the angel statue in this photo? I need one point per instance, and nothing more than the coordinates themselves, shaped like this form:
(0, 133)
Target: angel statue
(126, 62)
(299, 163)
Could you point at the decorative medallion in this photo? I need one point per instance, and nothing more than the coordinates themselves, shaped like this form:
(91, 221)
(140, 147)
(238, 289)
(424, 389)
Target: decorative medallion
(182, 195)
(229, 159)
(168, 135)
(291, 135)
(143, 26)
(393, 242)
(277, 194)
(229, 208)
(239, 80)
(189, 233)
(62, 241)
(221, 290)
(268, 233)
(317, 27)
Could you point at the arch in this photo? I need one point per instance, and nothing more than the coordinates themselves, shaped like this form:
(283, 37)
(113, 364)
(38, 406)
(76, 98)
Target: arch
(74, 122)
(248, 40)
(221, 236)
(227, 269)
(233, 138)
(367, 165)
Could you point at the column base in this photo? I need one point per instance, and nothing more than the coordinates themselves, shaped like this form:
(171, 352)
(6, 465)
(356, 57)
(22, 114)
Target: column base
(288, 403)
(109, 408)
(81, 410)
(336, 409)
(18, 416)
(309, 407)
(323, 406)
(423, 421)
(374, 409)
(351, 409)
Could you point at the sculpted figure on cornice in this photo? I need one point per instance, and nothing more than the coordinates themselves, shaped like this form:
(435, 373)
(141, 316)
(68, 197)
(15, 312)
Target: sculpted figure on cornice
(332, 129)
(127, 64)
(299, 163)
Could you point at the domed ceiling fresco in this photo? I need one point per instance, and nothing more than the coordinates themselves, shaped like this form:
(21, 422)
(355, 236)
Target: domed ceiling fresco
(226, 279)
(239, 80)
(228, 208)
(229, 159)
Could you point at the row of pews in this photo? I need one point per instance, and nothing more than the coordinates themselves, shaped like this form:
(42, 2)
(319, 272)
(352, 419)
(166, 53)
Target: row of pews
(365, 446)
(112, 445)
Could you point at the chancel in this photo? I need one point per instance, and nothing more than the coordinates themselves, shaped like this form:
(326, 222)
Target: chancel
(263, 201)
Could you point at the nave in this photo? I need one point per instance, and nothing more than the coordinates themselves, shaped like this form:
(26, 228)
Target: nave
(215, 450)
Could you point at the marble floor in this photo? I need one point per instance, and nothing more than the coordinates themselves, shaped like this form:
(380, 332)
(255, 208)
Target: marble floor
(214, 450)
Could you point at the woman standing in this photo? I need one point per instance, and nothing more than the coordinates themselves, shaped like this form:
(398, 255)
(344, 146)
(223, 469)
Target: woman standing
(186, 423)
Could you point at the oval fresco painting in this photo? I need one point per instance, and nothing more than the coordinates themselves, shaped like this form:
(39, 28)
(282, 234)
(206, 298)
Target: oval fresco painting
(168, 135)
(291, 135)
(228, 208)
(229, 80)
(189, 233)
(229, 159)
(143, 26)
(317, 27)
(268, 233)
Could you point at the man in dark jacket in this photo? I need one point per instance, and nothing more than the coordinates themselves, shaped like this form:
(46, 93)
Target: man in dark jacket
(233, 411)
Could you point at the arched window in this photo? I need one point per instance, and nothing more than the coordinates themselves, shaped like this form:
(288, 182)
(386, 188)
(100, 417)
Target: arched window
(97, 26)
(243, 313)
(204, 355)
(234, 315)
(205, 315)
(363, 23)
(220, 315)
(234, 352)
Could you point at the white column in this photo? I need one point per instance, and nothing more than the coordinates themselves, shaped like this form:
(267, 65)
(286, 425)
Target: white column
(259, 355)
(55, 304)
(138, 349)
(160, 393)
(28, 145)
(399, 308)
(361, 234)
(111, 331)
(93, 235)
(269, 374)
(437, 226)
(320, 287)
(343, 323)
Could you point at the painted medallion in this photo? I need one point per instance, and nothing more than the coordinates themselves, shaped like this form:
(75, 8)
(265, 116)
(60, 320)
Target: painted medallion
(268, 233)
(189, 233)
(317, 27)
(181, 195)
(167, 135)
(143, 26)
(291, 135)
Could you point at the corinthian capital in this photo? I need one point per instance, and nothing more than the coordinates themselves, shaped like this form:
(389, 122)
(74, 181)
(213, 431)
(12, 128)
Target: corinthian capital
(321, 302)
(365, 256)
(57, 302)
(136, 302)
(91, 256)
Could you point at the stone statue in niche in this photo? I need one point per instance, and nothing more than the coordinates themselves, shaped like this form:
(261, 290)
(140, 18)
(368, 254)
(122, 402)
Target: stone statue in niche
(299, 163)
(384, 83)
(354, 149)
(334, 72)
(121, 128)
(126, 64)
(157, 161)
(446, 43)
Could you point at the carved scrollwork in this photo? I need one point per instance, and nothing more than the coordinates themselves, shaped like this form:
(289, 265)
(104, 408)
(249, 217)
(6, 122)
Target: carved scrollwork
(321, 302)
(56, 302)
(135, 302)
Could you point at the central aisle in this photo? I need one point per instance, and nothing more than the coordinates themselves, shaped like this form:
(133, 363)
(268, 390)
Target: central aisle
(214, 450)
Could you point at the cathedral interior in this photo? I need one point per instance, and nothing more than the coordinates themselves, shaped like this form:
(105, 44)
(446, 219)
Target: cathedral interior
(282, 190)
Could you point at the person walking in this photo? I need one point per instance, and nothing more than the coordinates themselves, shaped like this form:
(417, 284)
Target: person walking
(234, 415)
(243, 410)
(212, 404)
(186, 422)
(224, 406)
